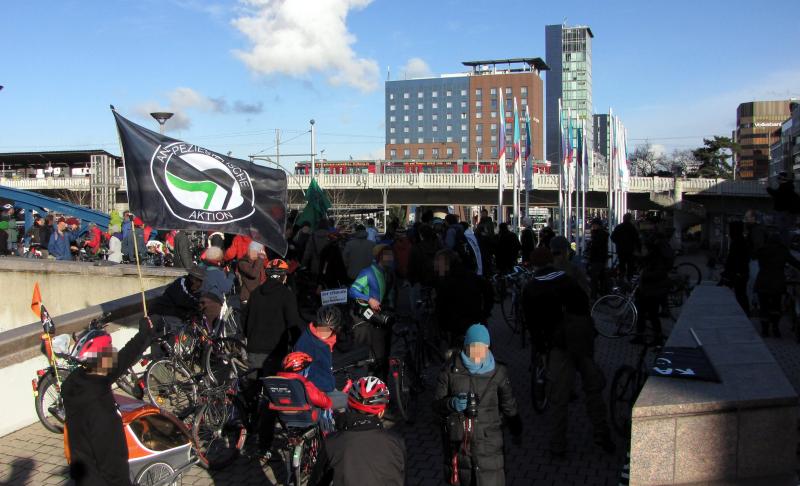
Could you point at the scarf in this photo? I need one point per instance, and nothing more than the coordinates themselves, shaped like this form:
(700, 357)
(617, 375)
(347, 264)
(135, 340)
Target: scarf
(486, 366)
(330, 340)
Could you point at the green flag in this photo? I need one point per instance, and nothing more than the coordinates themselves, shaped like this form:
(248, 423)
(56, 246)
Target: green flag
(317, 205)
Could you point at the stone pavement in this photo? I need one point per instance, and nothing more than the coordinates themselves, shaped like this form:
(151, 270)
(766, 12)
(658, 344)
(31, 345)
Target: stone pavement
(33, 456)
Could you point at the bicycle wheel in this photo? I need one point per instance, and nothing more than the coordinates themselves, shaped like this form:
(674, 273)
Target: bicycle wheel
(218, 432)
(689, 273)
(49, 404)
(170, 387)
(304, 461)
(401, 389)
(129, 383)
(539, 383)
(624, 390)
(614, 316)
(155, 474)
(224, 359)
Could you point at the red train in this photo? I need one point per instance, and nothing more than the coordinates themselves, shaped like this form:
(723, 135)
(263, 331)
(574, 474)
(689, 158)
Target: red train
(407, 167)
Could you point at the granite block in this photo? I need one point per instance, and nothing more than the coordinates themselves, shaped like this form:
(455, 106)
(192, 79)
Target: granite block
(653, 451)
(706, 447)
(767, 441)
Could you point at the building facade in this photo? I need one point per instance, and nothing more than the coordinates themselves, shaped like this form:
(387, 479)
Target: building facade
(569, 56)
(785, 151)
(456, 116)
(756, 123)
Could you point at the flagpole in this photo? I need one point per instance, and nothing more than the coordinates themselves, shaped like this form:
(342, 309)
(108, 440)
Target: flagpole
(133, 226)
(501, 163)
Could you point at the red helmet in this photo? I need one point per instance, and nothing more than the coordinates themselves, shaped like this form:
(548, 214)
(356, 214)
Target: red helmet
(296, 361)
(91, 345)
(277, 268)
(369, 394)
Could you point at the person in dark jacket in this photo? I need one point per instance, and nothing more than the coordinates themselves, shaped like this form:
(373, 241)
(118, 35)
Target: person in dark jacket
(737, 264)
(317, 340)
(507, 250)
(332, 270)
(357, 253)
(557, 314)
(527, 240)
(251, 270)
(770, 283)
(626, 238)
(363, 452)
(128, 246)
(462, 298)
(317, 242)
(183, 250)
(218, 280)
(98, 449)
(787, 205)
(654, 285)
(477, 455)
(420, 261)
(598, 257)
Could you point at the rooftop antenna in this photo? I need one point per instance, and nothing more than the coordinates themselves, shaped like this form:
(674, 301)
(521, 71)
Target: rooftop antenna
(565, 22)
(388, 73)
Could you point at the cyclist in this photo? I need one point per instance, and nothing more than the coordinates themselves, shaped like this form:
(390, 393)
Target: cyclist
(626, 238)
(179, 300)
(462, 298)
(654, 286)
(363, 452)
(472, 385)
(560, 249)
(271, 324)
(770, 284)
(217, 280)
(318, 340)
(98, 450)
(557, 313)
(369, 290)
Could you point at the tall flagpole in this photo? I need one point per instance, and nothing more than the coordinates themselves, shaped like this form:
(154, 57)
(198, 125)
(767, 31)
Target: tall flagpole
(516, 143)
(561, 156)
(501, 163)
(528, 161)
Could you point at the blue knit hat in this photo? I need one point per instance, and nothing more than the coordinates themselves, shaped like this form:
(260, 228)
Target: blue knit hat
(477, 333)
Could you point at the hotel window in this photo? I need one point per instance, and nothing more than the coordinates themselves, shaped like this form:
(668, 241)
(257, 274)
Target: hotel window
(494, 138)
(478, 104)
(392, 141)
(449, 116)
(463, 139)
(463, 104)
(391, 129)
(405, 107)
(494, 151)
(449, 151)
(448, 93)
(419, 106)
(406, 140)
(420, 140)
(421, 153)
(493, 127)
(479, 115)
(478, 92)
(419, 94)
(392, 153)
(406, 153)
(391, 96)
(449, 128)
(494, 104)
(435, 153)
(464, 116)
(449, 139)
(463, 92)
(509, 102)
(508, 91)
(434, 105)
(508, 114)
(434, 128)
(463, 127)
(392, 118)
(524, 101)
(479, 139)
(464, 151)
(478, 128)
(449, 104)
(494, 114)
(405, 117)
(479, 151)
(405, 129)
(493, 91)
(434, 117)
(434, 94)
(405, 96)
(391, 107)
(523, 90)
(419, 129)
(419, 117)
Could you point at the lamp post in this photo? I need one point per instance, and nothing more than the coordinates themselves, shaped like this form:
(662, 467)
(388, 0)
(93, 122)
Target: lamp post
(313, 154)
(161, 117)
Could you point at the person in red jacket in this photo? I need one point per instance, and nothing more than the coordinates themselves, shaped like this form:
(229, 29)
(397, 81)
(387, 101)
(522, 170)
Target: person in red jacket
(238, 248)
(295, 366)
(94, 238)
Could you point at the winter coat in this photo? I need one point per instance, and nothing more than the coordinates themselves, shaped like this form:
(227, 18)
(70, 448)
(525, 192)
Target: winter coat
(737, 265)
(316, 398)
(128, 246)
(238, 248)
(402, 255)
(372, 234)
(507, 251)
(316, 243)
(557, 312)
(420, 263)
(785, 199)
(98, 449)
(370, 283)
(59, 245)
(176, 301)
(271, 321)
(217, 281)
(115, 248)
(183, 252)
(528, 242)
(332, 270)
(598, 250)
(36, 235)
(365, 453)
(251, 273)
(462, 299)
(626, 238)
(320, 373)
(772, 260)
(357, 253)
(495, 402)
(656, 266)
(94, 240)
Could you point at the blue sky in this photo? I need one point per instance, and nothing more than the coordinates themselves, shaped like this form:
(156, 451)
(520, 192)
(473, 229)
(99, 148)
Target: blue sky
(236, 70)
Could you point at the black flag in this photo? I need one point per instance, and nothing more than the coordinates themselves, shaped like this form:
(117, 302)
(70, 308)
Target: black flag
(178, 185)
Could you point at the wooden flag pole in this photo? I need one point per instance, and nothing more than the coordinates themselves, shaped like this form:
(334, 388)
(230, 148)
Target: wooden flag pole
(139, 269)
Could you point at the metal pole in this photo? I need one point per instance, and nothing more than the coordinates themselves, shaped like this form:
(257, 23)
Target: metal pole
(278, 146)
(313, 153)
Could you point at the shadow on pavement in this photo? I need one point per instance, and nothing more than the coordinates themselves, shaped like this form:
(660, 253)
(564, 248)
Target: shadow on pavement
(20, 472)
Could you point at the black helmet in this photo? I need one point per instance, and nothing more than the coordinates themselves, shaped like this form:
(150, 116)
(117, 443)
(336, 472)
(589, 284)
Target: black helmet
(329, 316)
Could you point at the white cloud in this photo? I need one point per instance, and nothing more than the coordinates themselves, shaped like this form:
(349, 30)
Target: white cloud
(187, 98)
(378, 153)
(297, 37)
(415, 68)
(182, 100)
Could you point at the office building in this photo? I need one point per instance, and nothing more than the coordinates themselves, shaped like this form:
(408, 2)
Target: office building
(569, 55)
(756, 122)
(785, 151)
(456, 116)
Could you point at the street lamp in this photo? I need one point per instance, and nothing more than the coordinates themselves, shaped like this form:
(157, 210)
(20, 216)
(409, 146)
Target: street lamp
(161, 117)
(312, 147)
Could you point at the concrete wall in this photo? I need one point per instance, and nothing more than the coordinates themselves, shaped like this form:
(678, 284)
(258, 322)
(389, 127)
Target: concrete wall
(68, 286)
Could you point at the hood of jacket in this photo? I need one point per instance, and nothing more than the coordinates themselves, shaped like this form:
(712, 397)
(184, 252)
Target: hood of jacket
(271, 286)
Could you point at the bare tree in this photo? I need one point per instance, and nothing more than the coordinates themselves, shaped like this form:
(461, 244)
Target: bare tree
(645, 162)
(80, 198)
(683, 163)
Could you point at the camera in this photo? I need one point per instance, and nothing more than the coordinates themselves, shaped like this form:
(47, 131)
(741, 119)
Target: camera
(378, 319)
(472, 405)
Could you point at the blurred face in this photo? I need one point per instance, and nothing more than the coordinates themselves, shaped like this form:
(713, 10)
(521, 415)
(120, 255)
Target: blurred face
(441, 266)
(210, 308)
(387, 259)
(107, 360)
(477, 352)
(62, 226)
(252, 254)
(194, 284)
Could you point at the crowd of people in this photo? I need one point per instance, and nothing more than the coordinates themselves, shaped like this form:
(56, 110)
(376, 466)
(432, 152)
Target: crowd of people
(451, 261)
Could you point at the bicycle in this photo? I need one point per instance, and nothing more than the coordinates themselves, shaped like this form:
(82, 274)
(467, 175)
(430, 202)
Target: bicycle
(626, 385)
(61, 362)
(615, 315)
(405, 378)
(684, 277)
(540, 386)
(219, 426)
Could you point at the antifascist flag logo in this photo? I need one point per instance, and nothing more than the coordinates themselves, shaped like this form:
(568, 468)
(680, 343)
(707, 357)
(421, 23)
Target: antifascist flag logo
(199, 185)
